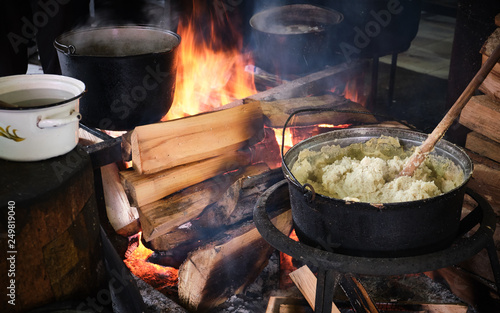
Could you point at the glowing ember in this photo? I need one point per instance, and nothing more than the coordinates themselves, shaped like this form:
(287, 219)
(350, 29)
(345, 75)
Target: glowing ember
(287, 266)
(159, 277)
(288, 138)
(208, 76)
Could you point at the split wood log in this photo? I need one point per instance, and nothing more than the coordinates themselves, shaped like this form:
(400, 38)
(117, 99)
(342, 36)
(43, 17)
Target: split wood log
(482, 115)
(486, 180)
(160, 146)
(218, 214)
(166, 215)
(123, 217)
(428, 145)
(211, 274)
(276, 112)
(172, 247)
(279, 304)
(491, 84)
(312, 84)
(145, 189)
(305, 280)
(483, 146)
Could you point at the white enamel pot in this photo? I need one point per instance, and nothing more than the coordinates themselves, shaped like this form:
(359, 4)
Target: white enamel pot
(39, 116)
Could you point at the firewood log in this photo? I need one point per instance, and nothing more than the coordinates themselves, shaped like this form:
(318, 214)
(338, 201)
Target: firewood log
(481, 114)
(145, 189)
(160, 146)
(123, 217)
(305, 280)
(214, 272)
(276, 112)
(167, 214)
(483, 146)
(219, 213)
(174, 245)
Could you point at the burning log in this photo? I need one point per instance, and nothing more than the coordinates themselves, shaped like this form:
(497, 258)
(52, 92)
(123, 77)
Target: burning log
(219, 213)
(165, 145)
(174, 245)
(278, 111)
(225, 266)
(313, 84)
(145, 189)
(166, 215)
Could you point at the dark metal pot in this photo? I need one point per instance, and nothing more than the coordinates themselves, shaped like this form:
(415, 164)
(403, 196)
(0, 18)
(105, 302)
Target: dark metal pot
(129, 72)
(294, 39)
(376, 230)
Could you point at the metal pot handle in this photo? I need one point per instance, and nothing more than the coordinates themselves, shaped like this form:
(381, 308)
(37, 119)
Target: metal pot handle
(307, 189)
(68, 50)
(57, 122)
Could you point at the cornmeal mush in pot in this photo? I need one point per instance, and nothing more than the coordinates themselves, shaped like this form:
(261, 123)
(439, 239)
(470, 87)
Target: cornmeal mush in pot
(368, 172)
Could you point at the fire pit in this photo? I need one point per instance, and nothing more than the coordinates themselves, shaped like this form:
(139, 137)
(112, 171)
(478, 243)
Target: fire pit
(331, 263)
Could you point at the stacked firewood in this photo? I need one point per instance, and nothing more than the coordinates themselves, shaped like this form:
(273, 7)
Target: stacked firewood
(194, 182)
(481, 116)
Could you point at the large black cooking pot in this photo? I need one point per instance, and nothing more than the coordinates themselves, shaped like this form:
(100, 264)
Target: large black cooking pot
(294, 39)
(129, 72)
(376, 230)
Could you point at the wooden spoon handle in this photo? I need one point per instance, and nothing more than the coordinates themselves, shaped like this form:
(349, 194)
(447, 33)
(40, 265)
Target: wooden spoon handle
(420, 153)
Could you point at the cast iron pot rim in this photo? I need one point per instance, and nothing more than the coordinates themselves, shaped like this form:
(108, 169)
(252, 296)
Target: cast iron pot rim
(60, 47)
(278, 8)
(385, 206)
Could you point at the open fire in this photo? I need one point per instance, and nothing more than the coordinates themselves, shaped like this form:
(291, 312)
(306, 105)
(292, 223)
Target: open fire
(209, 77)
(210, 72)
(197, 247)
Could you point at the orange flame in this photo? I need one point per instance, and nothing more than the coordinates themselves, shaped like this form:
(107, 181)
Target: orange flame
(209, 74)
(155, 275)
(291, 139)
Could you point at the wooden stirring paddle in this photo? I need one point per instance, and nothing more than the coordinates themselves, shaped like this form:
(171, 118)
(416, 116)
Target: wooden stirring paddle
(421, 152)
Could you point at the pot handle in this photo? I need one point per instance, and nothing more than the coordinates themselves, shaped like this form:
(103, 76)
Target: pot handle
(57, 122)
(68, 50)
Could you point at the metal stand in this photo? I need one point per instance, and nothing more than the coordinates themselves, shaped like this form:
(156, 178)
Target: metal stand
(332, 264)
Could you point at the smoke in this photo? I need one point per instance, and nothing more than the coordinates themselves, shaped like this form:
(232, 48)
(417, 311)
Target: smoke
(162, 14)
